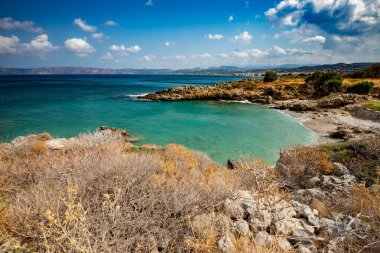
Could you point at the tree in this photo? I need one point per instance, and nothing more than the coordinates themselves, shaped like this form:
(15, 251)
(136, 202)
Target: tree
(270, 76)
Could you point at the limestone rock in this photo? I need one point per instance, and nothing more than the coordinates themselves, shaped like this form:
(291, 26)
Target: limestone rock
(287, 227)
(232, 209)
(226, 245)
(340, 169)
(242, 227)
(263, 238)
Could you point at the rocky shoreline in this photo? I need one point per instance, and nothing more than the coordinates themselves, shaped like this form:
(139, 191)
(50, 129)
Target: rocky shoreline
(334, 116)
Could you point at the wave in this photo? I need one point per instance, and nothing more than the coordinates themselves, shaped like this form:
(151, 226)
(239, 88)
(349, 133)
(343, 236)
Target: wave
(236, 101)
(133, 96)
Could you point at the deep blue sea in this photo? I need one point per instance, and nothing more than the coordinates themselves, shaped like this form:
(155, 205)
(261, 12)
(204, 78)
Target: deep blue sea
(68, 105)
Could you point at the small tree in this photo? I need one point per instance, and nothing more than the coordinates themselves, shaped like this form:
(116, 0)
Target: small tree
(270, 76)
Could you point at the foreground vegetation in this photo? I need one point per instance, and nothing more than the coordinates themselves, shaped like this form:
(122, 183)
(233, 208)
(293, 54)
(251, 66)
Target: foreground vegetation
(100, 194)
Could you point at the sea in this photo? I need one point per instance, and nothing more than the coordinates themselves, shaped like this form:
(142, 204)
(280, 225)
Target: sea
(69, 105)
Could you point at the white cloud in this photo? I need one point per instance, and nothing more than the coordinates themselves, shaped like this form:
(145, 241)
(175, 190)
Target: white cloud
(214, 36)
(230, 18)
(110, 23)
(240, 54)
(98, 36)
(244, 38)
(180, 57)
(9, 23)
(79, 46)
(149, 3)
(317, 38)
(149, 58)
(201, 56)
(224, 55)
(8, 45)
(82, 25)
(107, 56)
(134, 49)
(169, 43)
(123, 48)
(38, 45)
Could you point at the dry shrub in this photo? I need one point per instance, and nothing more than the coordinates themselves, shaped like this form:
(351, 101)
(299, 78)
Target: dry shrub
(95, 197)
(39, 147)
(299, 164)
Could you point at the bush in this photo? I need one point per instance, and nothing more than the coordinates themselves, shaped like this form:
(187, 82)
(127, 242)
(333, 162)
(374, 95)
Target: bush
(363, 88)
(270, 76)
(324, 83)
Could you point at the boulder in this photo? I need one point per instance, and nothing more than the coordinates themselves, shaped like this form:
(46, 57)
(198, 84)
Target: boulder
(241, 227)
(56, 144)
(232, 164)
(232, 209)
(310, 217)
(260, 219)
(263, 238)
(226, 245)
(287, 227)
(284, 244)
(122, 133)
(340, 169)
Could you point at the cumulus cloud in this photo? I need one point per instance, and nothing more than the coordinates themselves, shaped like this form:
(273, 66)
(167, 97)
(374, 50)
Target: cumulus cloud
(110, 23)
(244, 38)
(214, 36)
(230, 18)
(79, 46)
(201, 56)
(149, 58)
(8, 45)
(84, 26)
(344, 17)
(169, 43)
(9, 23)
(123, 48)
(38, 45)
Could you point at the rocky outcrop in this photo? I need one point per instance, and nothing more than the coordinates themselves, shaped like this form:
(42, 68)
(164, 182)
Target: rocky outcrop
(253, 90)
(342, 100)
(364, 113)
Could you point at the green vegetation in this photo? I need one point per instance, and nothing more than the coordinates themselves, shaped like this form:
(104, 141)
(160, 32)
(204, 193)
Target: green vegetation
(326, 81)
(373, 105)
(363, 88)
(270, 76)
(371, 72)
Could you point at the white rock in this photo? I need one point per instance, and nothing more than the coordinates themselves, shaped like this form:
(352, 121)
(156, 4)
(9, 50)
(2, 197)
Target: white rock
(287, 227)
(242, 227)
(232, 209)
(309, 215)
(226, 245)
(56, 144)
(284, 244)
(303, 249)
(263, 238)
(260, 219)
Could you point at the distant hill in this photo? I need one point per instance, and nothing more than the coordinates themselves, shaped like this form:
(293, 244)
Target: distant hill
(222, 70)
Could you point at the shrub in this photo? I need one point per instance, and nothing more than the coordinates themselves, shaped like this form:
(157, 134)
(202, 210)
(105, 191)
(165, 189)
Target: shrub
(270, 76)
(324, 83)
(363, 88)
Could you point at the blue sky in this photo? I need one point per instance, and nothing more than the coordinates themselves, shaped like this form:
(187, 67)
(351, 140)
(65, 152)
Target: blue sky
(187, 33)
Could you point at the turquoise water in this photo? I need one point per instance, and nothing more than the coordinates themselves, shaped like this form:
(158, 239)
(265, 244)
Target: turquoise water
(68, 105)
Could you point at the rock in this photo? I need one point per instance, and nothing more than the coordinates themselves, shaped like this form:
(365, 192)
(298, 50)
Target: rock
(122, 133)
(309, 215)
(287, 227)
(56, 144)
(308, 228)
(313, 182)
(320, 207)
(340, 133)
(303, 249)
(340, 169)
(284, 244)
(232, 209)
(242, 227)
(260, 219)
(232, 164)
(226, 245)
(263, 238)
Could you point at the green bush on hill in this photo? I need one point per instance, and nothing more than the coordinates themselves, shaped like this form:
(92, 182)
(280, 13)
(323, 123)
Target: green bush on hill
(270, 76)
(326, 82)
(363, 88)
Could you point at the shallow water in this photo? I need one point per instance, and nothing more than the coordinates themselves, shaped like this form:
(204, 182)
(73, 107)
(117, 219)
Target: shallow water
(68, 105)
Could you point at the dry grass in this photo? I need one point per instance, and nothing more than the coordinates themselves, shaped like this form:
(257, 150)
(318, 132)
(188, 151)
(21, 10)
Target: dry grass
(349, 81)
(96, 196)
(298, 165)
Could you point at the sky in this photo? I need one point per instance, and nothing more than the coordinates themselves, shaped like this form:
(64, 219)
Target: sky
(187, 33)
